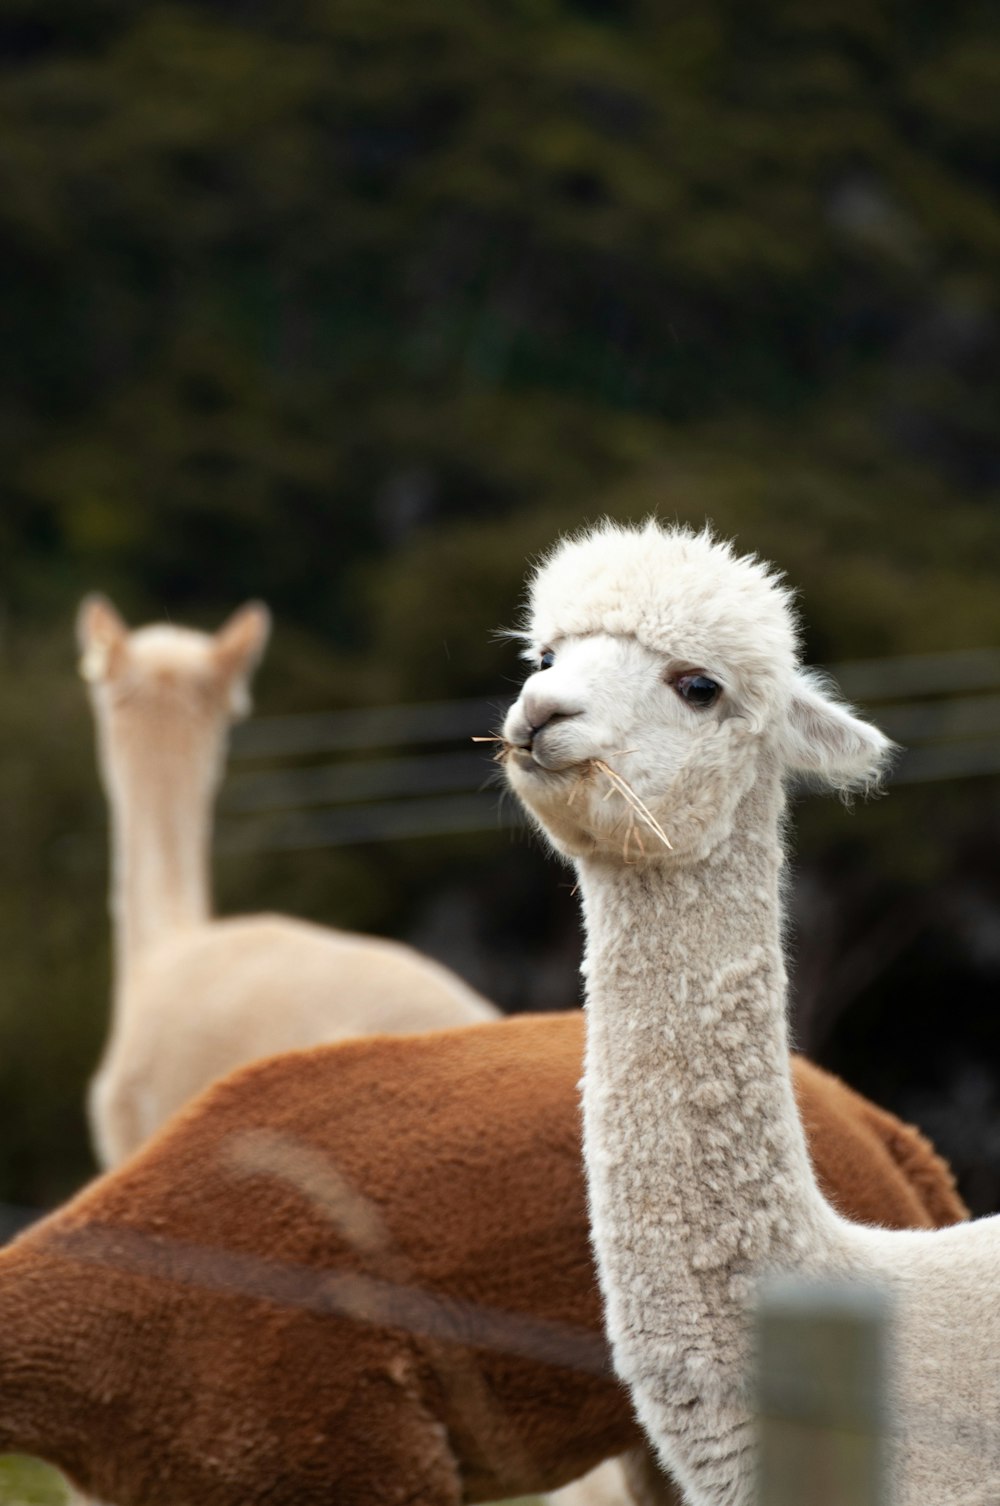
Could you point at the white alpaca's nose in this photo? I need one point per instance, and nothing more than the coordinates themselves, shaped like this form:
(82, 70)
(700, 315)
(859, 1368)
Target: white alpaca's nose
(537, 708)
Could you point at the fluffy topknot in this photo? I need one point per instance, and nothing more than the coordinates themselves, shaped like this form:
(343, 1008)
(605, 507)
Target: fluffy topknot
(681, 593)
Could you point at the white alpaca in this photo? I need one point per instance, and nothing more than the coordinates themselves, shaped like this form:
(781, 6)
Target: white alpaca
(195, 997)
(675, 662)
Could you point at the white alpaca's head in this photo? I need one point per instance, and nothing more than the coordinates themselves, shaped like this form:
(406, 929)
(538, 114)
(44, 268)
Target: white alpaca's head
(674, 660)
(163, 688)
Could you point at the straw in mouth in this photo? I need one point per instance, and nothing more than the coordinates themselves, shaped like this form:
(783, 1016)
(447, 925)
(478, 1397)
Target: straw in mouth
(616, 783)
(620, 783)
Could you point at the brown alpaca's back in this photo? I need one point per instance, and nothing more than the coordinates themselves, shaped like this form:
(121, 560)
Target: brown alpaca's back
(871, 1166)
(358, 1274)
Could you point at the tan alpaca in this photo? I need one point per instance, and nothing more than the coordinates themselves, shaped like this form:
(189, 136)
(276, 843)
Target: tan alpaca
(194, 996)
(361, 1275)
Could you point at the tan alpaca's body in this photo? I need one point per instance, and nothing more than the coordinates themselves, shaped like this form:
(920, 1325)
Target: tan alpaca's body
(664, 655)
(195, 997)
(203, 1002)
(361, 1274)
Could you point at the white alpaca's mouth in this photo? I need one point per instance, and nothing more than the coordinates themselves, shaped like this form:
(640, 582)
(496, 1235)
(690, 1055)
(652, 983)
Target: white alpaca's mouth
(569, 778)
(533, 760)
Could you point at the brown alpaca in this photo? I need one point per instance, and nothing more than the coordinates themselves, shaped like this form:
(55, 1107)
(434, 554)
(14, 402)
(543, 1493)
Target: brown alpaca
(362, 1274)
(194, 996)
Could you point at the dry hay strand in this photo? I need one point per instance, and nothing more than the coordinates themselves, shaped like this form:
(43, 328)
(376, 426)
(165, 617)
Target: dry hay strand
(617, 784)
(503, 752)
(632, 834)
(620, 784)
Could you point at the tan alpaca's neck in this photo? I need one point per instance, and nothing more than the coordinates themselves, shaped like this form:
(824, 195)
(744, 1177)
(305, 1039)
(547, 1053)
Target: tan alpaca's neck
(161, 809)
(699, 1172)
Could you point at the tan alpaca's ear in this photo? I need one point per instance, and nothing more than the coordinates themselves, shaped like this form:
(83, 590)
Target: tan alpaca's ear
(825, 738)
(239, 647)
(101, 634)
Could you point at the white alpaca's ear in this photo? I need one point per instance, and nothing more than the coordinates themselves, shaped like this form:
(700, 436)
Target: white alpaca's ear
(101, 634)
(825, 738)
(239, 647)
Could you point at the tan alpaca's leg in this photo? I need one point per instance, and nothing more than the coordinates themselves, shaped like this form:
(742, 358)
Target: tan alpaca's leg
(633, 1479)
(604, 1486)
(75, 1498)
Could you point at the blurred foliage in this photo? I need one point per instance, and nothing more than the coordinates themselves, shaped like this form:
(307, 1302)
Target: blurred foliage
(353, 306)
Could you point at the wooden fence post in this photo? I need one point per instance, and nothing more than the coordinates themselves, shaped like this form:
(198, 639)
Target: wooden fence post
(820, 1393)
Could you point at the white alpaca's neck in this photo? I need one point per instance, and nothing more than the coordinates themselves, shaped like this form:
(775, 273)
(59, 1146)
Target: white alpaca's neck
(698, 1170)
(161, 795)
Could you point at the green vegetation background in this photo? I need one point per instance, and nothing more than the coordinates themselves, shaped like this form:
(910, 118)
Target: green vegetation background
(352, 306)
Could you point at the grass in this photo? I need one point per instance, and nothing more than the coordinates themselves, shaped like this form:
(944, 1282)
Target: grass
(29, 1482)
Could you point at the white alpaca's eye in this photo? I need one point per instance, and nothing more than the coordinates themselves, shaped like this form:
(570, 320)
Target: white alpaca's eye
(546, 659)
(696, 689)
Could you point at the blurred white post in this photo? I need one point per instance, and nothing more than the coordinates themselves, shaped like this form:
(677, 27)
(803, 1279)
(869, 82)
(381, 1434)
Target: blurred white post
(820, 1393)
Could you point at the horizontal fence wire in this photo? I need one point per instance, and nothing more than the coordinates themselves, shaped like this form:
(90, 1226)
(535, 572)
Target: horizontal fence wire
(379, 822)
(339, 784)
(294, 784)
(919, 674)
(942, 709)
(368, 727)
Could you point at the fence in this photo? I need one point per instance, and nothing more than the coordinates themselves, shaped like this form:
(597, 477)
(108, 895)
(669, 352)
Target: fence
(820, 1389)
(943, 708)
